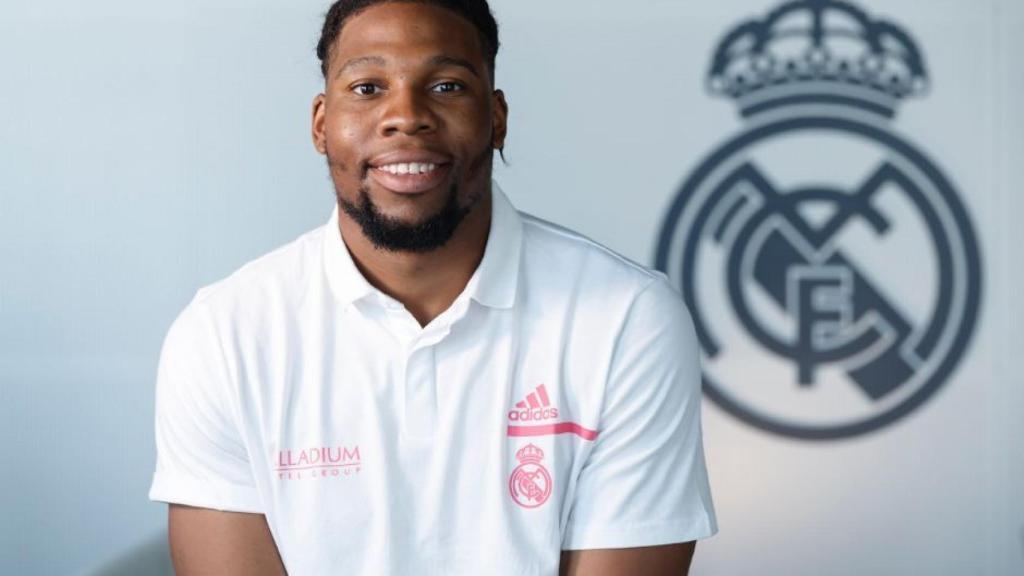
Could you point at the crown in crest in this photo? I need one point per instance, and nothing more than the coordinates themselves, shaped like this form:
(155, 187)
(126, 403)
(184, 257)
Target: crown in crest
(817, 51)
(530, 454)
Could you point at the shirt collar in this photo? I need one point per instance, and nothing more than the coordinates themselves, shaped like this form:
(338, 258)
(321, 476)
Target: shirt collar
(493, 284)
(346, 281)
(496, 278)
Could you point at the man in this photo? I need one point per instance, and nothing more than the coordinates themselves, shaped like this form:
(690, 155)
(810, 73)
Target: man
(431, 383)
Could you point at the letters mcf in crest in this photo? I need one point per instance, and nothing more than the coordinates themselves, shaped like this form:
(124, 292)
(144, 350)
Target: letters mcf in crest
(829, 264)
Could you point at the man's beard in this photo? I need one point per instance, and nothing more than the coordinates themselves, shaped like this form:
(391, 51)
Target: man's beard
(394, 235)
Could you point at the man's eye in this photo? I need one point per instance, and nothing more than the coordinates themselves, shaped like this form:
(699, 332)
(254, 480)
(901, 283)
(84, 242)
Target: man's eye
(448, 87)
(365, 89)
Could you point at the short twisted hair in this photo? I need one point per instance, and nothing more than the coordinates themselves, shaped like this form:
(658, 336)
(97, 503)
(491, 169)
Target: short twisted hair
(477, 12)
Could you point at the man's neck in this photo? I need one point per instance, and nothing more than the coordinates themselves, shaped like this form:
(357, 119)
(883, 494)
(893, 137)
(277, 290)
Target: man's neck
(425, 282)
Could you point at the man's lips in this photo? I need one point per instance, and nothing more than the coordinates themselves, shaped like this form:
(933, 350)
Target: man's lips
(410, 183)
(410, 171)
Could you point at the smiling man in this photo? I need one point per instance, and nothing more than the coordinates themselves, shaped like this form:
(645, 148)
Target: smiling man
(432, 382)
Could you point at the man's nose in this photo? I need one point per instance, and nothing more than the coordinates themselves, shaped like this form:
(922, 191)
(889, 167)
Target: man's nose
(408, 112)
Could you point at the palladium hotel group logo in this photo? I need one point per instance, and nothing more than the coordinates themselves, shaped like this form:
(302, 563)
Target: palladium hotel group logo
(829, 264)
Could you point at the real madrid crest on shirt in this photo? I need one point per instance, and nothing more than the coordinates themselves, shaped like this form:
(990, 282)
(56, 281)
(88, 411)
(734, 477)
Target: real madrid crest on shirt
(829, 264)
(530, 483)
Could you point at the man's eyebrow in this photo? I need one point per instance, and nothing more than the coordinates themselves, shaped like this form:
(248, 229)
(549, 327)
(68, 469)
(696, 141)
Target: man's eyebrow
(439, 60)
(444, 60)
(361, 61)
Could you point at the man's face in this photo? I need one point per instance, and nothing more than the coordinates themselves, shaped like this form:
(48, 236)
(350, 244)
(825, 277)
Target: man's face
(408, 122)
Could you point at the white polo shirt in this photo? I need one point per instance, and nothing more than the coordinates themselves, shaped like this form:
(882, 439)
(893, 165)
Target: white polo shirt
(555, 405)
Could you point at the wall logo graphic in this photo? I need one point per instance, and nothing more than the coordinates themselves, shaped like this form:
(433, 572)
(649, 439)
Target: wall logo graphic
(830, 268)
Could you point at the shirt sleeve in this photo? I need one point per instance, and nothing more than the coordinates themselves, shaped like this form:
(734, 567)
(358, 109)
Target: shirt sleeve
(202, 460)
(645, 482)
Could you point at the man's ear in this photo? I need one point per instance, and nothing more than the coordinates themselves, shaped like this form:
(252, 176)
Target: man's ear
(499, 120)
(319, 114)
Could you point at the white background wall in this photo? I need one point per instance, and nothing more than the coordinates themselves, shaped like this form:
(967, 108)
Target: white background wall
(148, 148)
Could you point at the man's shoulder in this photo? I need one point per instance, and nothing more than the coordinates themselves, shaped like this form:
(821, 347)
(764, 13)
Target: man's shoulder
(279, 277)
(554, 254)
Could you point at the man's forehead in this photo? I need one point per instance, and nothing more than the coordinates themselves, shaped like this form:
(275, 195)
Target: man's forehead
(405, 30)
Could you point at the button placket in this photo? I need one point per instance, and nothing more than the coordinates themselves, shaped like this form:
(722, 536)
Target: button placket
(420, 392)
(419, 386)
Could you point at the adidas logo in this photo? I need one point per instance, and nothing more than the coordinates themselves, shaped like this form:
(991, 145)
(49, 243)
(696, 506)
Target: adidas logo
(536, 406)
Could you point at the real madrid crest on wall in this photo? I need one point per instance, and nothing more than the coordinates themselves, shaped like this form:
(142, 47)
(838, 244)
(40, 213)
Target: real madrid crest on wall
(829, 265)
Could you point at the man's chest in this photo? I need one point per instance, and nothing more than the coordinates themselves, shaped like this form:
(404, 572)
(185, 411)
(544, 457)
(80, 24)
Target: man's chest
(465, 443)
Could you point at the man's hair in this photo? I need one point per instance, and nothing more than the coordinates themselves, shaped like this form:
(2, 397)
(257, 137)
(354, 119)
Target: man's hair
(478, 12)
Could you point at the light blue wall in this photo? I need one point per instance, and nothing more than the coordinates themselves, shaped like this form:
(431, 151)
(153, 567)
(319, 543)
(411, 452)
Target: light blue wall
(149, 148)
(146, 148)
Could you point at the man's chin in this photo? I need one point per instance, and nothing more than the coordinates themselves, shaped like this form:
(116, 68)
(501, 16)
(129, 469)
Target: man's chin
(405, 224)
(406, 210)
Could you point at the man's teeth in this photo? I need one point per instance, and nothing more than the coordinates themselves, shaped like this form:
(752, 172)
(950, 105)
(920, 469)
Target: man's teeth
(409, 168)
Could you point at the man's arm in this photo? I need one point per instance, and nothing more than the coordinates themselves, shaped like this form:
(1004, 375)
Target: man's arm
(668, 560)
(202, 458)
(642, 495)
(207, 541)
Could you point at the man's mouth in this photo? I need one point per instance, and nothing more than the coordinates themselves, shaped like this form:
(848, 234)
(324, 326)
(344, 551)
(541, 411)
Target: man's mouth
(412, 172)
(410, 168)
